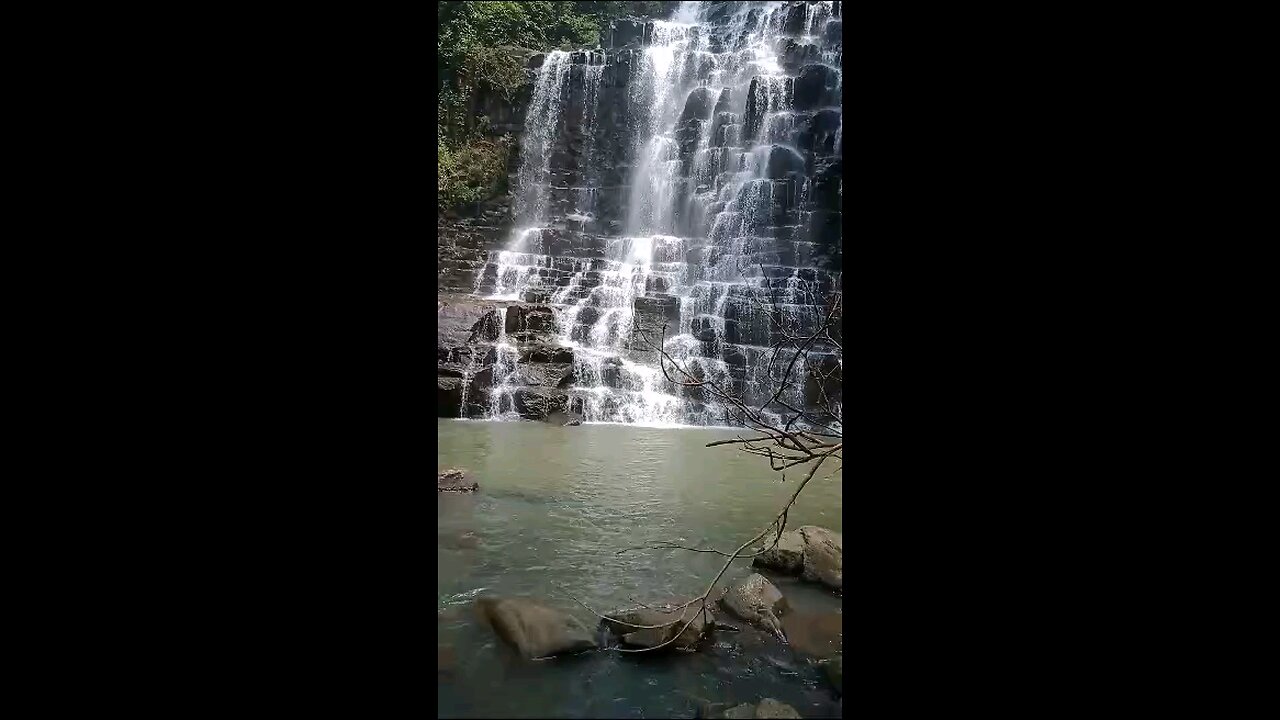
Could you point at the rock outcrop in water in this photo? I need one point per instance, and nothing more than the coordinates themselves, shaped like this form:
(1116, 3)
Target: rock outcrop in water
(757, 601)
(454, 480)
(689, 626)
(534, 630)
(814, 553)
(766, 708)
(681, 176)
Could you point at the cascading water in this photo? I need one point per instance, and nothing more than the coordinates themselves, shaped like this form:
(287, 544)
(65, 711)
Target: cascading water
(692, 181)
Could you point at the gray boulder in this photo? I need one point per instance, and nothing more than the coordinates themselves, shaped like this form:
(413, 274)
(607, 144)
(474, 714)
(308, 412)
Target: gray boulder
(757, 601)
(823, 556)
(534, 630)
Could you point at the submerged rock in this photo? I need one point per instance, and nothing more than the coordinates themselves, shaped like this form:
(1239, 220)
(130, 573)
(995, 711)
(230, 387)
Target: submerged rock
(454, 480)
(823, 556)
(766, 708)
(534, 630)
(816, 634)
(757, 601)
(698, 621)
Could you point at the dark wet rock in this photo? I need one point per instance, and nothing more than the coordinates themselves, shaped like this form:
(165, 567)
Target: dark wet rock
(536, 403)
(530, 318)
(784, 161)
(823, 556)
(817, 86)
(546, 354)
(534, 630)
(787, 557)
(757, 601)
(793, 24)
(536, 60)
(573, 423)
(700, 103)
(446, 658)
(624, 32)
(835, 31)
(816, 634)
(449, 396)
(454, 480)
(698, 621)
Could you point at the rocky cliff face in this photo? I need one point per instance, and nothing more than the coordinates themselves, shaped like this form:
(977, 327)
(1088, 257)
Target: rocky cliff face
(687, 174)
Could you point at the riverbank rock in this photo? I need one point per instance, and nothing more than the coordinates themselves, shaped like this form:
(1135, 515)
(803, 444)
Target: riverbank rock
(814, 553)
(534, 630)
(699, 622)
(766, 708)
(757, 601)
(787, 557)
(816, 634)
(823, 556)
(454, 480)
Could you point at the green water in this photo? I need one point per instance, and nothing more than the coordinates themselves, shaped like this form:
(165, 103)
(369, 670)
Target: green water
(554, 508)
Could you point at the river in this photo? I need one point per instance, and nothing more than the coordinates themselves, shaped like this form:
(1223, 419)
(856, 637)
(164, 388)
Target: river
(555, 507)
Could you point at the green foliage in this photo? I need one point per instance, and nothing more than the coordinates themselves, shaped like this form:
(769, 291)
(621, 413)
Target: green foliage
(471, 171)
(483, 47)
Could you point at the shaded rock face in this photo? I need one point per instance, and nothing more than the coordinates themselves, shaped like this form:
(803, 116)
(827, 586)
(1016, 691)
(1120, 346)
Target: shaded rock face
(698, 623)
(787, 557)
(757, 601)
(535, 631)
(823, 556)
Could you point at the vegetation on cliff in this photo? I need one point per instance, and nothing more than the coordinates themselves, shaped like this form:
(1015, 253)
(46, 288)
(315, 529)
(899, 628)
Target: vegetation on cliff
(483, 48)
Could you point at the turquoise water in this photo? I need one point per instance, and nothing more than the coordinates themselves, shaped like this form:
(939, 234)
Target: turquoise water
(555, 507)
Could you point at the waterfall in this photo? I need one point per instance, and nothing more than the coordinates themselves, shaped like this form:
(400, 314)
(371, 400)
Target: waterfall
(688, 176)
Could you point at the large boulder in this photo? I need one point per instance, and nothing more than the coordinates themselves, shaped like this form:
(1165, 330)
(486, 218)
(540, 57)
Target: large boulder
(817, 86)
(534, 630)
(536, 403)
(823, 556)
(700, 103)
(757, 601)
(784, 161)
(621, 624)
(787, 557)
